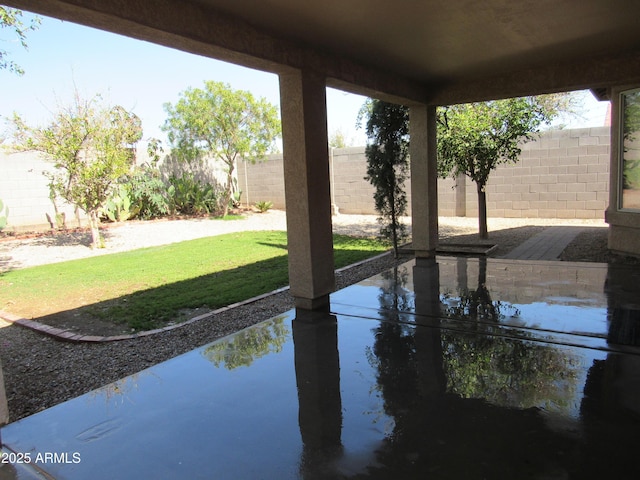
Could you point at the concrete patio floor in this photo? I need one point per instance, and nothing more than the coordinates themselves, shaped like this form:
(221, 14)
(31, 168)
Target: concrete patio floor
(455, 368)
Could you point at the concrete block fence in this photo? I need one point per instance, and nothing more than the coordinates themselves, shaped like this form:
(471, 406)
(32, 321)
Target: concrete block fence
(564, 174)
(24, 189)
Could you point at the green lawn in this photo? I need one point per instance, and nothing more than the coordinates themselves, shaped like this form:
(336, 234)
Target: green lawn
(149, 287)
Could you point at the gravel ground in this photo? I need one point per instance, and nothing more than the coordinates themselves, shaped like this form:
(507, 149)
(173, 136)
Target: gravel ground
(41, 372)
(26, 252)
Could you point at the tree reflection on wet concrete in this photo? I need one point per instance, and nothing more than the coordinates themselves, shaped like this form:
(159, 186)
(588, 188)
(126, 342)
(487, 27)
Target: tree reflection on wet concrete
(448, 368)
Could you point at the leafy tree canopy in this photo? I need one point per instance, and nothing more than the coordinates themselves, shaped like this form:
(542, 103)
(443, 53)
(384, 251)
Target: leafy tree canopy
(91, 146)
(11, 19)
(473, 139)
(339, 139)
(224, 124)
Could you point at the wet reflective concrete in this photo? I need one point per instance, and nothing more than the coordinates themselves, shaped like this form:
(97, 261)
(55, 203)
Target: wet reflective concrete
(460, 368)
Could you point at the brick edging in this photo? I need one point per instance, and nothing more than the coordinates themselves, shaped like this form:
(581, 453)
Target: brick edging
(69, 336)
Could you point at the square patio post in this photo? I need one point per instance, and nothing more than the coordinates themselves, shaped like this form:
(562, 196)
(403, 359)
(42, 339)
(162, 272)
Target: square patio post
(307, 192)
(424, 179)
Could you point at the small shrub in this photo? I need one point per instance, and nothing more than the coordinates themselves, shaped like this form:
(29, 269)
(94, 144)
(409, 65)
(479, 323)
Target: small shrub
(191, 197)
(263, 206)
(118, 208)
(148, 193)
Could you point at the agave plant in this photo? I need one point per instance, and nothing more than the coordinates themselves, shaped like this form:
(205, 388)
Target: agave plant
(263, 206)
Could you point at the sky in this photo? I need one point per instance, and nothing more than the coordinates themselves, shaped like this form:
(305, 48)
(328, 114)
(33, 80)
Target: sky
(141, 77)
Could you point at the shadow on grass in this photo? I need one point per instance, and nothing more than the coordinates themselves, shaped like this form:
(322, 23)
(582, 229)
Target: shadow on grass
(179, 301)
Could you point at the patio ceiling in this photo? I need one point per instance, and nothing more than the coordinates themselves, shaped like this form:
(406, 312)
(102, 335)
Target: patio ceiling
(429, 51)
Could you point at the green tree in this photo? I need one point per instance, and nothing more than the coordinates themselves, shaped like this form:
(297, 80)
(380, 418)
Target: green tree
(474, 139)
(387, 153)
(11, 19)
(91, 147)
(221, 123)
(339, 139)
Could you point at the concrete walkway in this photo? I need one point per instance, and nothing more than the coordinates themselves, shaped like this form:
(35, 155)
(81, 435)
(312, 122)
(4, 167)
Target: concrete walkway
(546, 245)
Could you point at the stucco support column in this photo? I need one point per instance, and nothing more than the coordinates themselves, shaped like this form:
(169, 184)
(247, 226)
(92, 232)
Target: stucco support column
(306, 183)
(424, 180)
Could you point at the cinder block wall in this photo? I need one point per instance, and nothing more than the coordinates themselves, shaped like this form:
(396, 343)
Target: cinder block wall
(24, 189)
(351, 193)
(262, 181)
(563, 174)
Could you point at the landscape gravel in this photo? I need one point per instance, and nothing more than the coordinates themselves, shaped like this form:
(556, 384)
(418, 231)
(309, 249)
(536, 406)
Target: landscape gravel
(40, 371)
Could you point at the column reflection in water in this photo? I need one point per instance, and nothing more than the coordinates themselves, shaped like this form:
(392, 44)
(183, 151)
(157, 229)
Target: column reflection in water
(317, 363)
(428, 341)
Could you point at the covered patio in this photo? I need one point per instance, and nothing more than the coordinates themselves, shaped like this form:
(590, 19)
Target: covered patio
(419, 54)
(450, 368)
(439, 368)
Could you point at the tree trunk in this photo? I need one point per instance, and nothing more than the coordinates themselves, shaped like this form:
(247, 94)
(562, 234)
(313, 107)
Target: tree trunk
(76, 211)
(94, 222)
(394, 221)
(225, 203)
(482, 212)
(228, 191)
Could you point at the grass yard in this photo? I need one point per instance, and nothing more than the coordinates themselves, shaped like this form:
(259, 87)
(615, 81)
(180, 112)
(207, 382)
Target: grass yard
(150, 287)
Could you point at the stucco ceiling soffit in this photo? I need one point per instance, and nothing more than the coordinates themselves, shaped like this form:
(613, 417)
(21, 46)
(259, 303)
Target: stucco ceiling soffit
(596, 72)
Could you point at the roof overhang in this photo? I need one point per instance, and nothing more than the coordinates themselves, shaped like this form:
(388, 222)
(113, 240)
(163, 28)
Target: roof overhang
(438, 52)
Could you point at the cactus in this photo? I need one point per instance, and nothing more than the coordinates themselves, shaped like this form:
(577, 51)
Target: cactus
(118, 207)
(4, 213)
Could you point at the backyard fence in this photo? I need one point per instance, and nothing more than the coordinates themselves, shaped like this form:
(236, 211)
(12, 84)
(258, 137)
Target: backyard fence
(564, 174)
